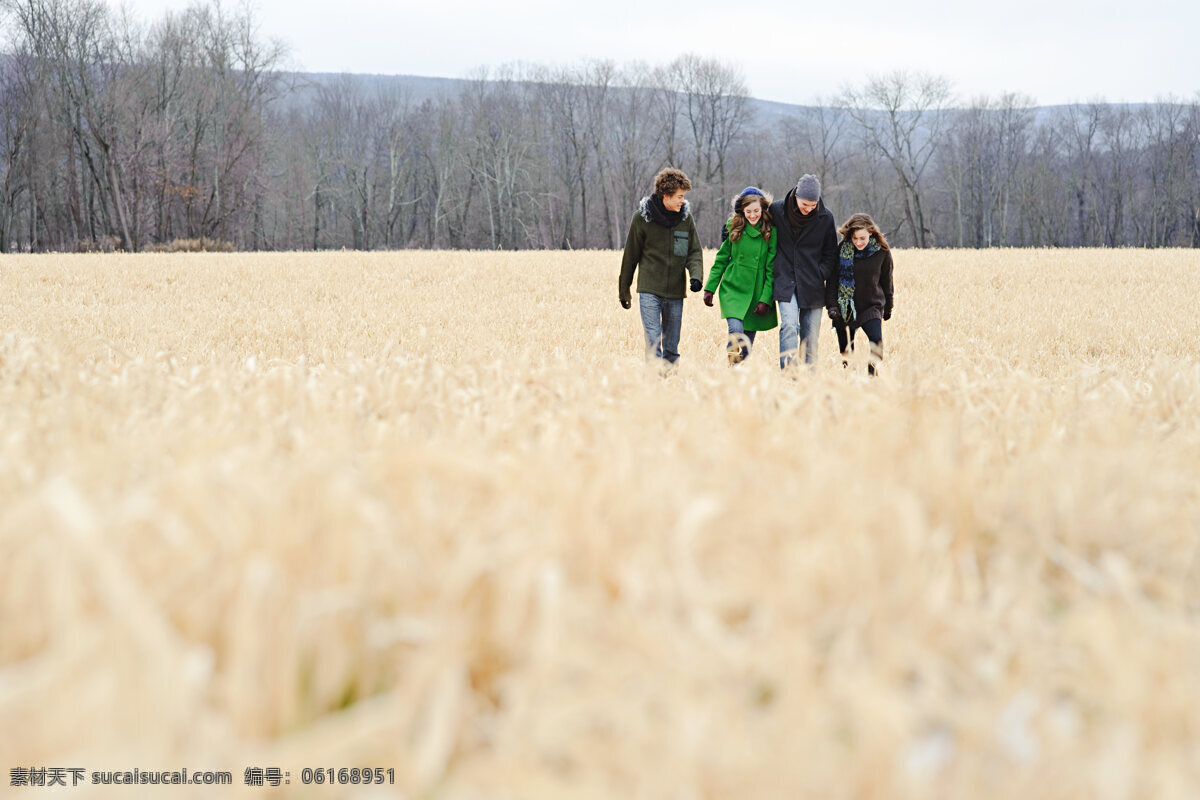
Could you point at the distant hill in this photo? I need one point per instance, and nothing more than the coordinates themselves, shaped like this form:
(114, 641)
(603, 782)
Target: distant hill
(420, 88)
(767, 113)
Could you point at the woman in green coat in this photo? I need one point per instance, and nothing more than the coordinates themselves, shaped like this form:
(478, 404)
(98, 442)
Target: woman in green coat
(742, 274)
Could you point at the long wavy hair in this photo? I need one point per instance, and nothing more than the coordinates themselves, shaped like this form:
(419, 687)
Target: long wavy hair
(861, 222)
(738, 223)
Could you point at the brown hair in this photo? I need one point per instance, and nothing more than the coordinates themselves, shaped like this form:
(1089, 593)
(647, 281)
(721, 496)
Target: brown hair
(738, 221)
(669, 181)
(863, 222)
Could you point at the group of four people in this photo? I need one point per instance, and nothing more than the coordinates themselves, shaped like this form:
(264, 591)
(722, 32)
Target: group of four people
(784, 253)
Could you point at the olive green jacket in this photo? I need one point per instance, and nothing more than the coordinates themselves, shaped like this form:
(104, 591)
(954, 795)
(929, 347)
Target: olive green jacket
(660, 255)
(743, 271)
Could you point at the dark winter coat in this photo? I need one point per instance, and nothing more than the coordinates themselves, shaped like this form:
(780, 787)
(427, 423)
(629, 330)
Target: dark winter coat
(805, 263)
(660, 254)
(872, 287)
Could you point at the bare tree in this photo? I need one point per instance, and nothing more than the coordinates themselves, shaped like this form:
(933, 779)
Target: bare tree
(393, 137)
(1192, 167)
(500, 155)
(902, 115)
(561, 93)
(984, 147)
(667, 79)
(1042, 193)
(1120, 161)
(824, 136)
(18, 116)
(715, 110)
(1171, 140)
(447, 184)
(815, 140)
(599, 78)
(1079, 128)
(636, 138)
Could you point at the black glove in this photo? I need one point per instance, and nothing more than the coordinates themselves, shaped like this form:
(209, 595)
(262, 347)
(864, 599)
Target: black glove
(887, 313)
(708, 297)
(762, 309)
(695, 285)
(835, 314)
(624, 303)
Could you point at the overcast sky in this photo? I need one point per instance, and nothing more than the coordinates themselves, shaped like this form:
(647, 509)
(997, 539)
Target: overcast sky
(792, 52)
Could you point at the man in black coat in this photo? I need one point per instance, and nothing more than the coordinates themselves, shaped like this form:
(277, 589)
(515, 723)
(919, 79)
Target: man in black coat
(805, 262)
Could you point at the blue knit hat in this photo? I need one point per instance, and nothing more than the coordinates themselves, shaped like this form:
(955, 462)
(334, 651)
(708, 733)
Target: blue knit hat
(750, 191)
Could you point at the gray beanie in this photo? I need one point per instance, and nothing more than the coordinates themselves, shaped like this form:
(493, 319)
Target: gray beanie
(808, 188)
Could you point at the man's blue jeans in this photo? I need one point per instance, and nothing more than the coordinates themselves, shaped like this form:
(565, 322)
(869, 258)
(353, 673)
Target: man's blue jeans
(661, 318)
(798, 326)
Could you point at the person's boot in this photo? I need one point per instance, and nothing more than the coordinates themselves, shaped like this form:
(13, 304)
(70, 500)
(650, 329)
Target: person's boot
(738, 348)
(876, 358)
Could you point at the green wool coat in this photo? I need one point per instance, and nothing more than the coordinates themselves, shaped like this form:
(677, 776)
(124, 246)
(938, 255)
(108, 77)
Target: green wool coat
(743, 271)
(661, 256)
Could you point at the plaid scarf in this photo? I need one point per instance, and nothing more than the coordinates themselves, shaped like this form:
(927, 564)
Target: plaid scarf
(847, 255)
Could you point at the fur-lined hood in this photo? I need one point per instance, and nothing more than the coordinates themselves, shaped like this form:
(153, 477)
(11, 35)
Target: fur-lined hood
(644, 208)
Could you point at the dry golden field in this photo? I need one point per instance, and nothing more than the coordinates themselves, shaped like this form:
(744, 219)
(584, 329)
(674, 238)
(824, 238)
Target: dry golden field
(430, 512)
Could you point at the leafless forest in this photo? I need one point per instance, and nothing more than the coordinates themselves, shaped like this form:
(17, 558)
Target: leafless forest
(188, 132)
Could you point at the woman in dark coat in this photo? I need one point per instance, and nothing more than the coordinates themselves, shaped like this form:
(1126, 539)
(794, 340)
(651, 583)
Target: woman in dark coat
(862, 296)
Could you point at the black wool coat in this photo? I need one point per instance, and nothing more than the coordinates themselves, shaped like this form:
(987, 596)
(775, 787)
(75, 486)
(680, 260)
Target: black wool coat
(807, 263)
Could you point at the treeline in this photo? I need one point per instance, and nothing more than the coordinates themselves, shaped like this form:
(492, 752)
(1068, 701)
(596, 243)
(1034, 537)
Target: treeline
(115, 135)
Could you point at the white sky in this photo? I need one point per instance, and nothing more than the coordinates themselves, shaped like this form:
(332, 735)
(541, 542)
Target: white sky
(793, 52)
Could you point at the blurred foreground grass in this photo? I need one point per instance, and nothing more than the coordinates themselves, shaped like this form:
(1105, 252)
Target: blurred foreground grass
(431, 512)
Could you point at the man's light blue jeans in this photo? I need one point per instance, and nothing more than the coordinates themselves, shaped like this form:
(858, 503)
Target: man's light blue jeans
(798, 326)
(662, 318)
